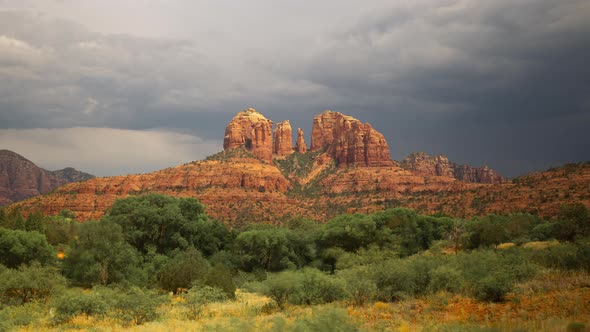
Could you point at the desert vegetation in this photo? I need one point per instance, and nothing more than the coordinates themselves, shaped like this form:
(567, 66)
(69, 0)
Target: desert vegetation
(155, 263)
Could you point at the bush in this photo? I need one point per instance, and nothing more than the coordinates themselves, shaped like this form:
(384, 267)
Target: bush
(220, 277)
(198, 297)
(137, 306)
(76, 302)
(21, 315)
(445, 278)
(492, 288)
(184, 269)
(29, 283)
(359, 285)
(315, 287)
(566, 256)
(280, 287)
(395, 280)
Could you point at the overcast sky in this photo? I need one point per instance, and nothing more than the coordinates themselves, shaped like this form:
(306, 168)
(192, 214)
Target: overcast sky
(120, 86)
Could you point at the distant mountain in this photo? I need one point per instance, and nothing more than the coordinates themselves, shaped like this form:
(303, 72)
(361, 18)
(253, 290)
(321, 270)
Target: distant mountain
(261, 177)
(20, 178)
(71, 174)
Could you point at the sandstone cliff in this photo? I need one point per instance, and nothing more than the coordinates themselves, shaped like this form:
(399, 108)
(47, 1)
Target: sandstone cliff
(441, 166)
(251, 130)
(20, 178)
(300, 145)
(283, 139)
(237, 188)
(349, 141)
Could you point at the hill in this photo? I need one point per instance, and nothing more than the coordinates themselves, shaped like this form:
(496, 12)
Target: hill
(261, 177)
(20, 178)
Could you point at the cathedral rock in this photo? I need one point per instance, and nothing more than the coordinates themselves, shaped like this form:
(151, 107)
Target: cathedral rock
(347, 140)
(283, 139)
(252, 130)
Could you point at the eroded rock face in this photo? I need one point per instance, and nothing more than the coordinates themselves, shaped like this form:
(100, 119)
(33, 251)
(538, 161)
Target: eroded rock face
(300, 145)
(283, 144)
(477, 174)
(252, 130)
(349, 141)
(441, 166)
(427, 165)
(20, 178)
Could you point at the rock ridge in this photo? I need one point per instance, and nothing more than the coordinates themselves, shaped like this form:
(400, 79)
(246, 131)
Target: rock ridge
(440, 165)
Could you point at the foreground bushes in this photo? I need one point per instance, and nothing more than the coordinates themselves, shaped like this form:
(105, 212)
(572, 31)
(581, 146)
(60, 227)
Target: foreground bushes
(132, 306)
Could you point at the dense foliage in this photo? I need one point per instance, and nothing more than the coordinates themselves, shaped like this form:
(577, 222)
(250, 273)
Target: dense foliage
(150, 244)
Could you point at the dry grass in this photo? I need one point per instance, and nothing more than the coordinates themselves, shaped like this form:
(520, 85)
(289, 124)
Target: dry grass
(548, 302)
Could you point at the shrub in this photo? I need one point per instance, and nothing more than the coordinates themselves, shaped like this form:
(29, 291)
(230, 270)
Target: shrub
(280, 287)
(492, 288)
(137, 306)
(21, 315)
(76, 302)
(220, 277)
(359, 286)
(185, 268)
(29, 283)
(395, 280)
(198, 297)
(315, 287)
(445, 278)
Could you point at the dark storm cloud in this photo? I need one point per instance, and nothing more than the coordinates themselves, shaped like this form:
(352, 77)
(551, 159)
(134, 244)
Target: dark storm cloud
(500, 82)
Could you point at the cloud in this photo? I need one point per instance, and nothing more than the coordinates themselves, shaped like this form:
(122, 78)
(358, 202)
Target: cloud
(455, 77)
(106, 151)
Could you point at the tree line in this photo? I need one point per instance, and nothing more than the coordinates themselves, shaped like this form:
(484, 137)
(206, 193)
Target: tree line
(153, 243)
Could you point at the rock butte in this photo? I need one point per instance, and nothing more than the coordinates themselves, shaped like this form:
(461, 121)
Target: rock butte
(347, 140)
(347, 170)
(283, 144)
(252, 130)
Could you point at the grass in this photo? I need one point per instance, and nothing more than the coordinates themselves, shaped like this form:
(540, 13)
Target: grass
(552, 301)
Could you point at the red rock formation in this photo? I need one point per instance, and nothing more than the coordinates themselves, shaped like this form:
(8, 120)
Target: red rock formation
(426, 165)
(251, 129)
(300, 145)
(477, 174)
(440, 166)
(283, 139)
(349, 141)
(20, 178)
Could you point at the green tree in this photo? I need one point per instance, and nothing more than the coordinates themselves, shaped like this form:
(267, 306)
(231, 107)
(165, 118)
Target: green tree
(269, 249)
(166, 223)
(182, 270)
(34, 222)
(349, 232)
(60, 230)
(573, 222)
(220, 277)
(21, 247)
(101, 256)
